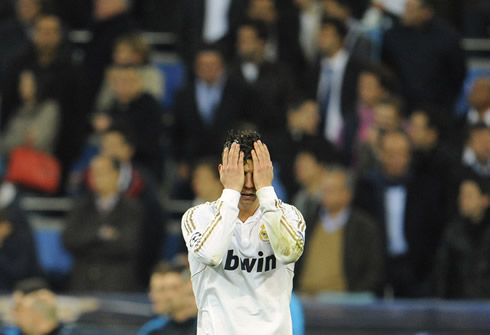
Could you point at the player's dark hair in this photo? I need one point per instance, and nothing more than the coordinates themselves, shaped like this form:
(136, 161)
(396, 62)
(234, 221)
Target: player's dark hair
(245, 138)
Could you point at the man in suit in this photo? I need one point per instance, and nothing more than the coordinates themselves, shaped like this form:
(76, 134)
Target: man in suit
(207, 22)
(407, 207)
(356, 41)
(332, 81)
(204, 109)
(270, 81)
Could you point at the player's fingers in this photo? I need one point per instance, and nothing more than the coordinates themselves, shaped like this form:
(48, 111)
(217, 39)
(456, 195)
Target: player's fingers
(226, 151)
(241, 156)
(266, 151)
(224, 156)
(235, 153)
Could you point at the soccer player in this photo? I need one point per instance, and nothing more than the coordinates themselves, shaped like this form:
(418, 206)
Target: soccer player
(242, 247)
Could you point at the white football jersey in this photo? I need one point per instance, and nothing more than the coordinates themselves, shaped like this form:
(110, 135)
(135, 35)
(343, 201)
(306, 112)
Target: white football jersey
(242, 272)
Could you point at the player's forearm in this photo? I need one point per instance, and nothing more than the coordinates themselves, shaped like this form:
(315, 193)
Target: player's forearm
(285, 229)
(209, 236)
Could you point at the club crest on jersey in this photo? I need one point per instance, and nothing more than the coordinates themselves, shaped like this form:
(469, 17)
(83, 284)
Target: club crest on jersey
(263, 234)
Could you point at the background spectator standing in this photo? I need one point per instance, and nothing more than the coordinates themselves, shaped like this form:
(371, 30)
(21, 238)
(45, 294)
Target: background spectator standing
(426, 54)
(103, 233)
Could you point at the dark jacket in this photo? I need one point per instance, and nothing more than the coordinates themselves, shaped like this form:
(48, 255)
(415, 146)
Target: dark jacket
(193, 139)
(422, 220)
(463, 261)
(363, 252)
(104, 265)
(271, 89)
(143, 118)
(18, 256)
(429, 61)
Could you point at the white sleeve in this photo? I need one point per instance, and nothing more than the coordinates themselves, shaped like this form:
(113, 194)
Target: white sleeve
(284, 224)
(207, 229)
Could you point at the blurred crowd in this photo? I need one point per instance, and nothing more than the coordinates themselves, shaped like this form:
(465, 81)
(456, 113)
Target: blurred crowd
(376, 134)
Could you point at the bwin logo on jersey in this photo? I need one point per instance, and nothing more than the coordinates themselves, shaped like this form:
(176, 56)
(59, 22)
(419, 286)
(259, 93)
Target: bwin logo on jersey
(249, 264)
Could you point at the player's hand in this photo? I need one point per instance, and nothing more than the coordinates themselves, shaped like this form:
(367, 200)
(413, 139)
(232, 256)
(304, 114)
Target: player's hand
(231, 170)
(263, 170)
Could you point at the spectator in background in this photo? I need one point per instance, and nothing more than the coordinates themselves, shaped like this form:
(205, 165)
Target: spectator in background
(475, 18)
(375, 83)
(18, 259)
(309, 16)
(103, 233)
(475, 156)
(345, 252)
(302, 132)
(356, 42)
(270, 81)
(406, 206)
(137, 183)
(139, 112)
(204, 109)
(387, 116)
(310, 167)
(206, 183)
(432, 156)
(49, 56)
(132, 49)
(426, 54)
(16, 32)
(332, 81)
(479, 101)
(21, 289)
(463, 260)
(111, 20)
(173, 302)
(35, 122)
(283, 33)
(134, 181)
(38, 315)
(204, 22)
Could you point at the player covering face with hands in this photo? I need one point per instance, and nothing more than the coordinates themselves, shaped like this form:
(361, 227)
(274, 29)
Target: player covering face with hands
(242, 247)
